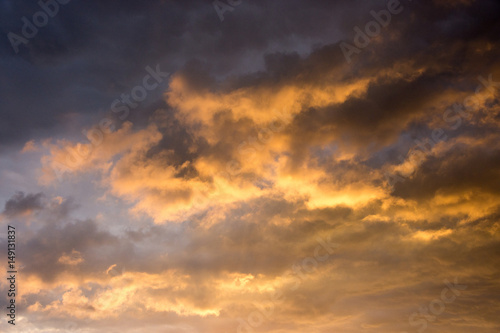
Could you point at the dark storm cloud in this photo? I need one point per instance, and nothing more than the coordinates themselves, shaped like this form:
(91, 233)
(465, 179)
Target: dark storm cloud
(50, 244)
(462, 168)
(58, 235)
(445, 36)
(91, 51)
(58, 73)
(20, 204)
(380, 114)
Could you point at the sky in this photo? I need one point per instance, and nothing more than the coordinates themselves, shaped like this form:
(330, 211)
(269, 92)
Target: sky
(250, 166)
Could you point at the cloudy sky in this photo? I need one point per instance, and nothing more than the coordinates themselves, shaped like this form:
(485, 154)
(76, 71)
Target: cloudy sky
(276, 166)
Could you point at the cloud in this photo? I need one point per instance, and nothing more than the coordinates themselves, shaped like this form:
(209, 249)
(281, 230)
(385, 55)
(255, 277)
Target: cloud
(73, 258)
(67, 158)
(263, 146)
(21, 204)
(30, 146)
